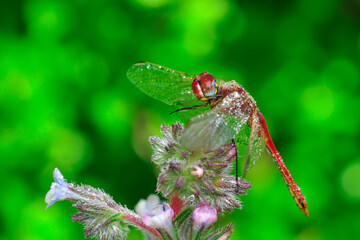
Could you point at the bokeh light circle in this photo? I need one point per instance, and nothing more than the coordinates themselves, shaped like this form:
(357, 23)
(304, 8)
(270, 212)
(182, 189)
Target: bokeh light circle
(350, 180)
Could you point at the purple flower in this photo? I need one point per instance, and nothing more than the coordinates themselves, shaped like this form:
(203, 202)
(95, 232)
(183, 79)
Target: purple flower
(204, 215)
(204, 175)
(59, 190)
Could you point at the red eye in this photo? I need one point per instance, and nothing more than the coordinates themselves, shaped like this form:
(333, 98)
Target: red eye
(208, 85)
(204, 86)
(197, 89)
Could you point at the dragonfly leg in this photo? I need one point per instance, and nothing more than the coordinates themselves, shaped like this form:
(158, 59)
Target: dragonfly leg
(188, 108)
(236, 165)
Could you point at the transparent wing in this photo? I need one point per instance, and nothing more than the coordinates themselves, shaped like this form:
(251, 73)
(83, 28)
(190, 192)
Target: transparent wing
(212, 129)
(164, 84)
(256, 150)
(206, 132)
(256, 145)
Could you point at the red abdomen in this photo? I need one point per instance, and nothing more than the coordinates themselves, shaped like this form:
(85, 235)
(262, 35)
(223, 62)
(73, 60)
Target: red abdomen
(289, 181)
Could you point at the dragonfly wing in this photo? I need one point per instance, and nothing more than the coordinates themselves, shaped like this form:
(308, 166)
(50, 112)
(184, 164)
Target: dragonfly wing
(212, 129)
(169, 86)
(256, 145)
(206, 132)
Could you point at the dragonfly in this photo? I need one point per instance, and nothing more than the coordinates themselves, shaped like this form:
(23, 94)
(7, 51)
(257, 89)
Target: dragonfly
(233, 114)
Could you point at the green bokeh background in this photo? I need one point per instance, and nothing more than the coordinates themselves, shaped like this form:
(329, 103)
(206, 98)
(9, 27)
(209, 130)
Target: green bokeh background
(65, 102)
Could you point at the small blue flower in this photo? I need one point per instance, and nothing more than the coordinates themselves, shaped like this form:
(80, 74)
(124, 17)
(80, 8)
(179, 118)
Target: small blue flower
(161, 218)
(145, 206)
(59, 190)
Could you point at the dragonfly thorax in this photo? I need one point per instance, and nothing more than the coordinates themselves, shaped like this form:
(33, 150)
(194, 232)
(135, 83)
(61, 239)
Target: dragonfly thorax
(204, 87)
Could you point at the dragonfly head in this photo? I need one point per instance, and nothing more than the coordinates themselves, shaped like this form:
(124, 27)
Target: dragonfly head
(204, 87)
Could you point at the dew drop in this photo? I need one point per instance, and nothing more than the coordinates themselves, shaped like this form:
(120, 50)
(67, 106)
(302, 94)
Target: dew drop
(191, 198)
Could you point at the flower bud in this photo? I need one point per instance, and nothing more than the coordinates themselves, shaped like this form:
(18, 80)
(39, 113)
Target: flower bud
(204, 215)
(180, 182)
(184, 173)
(197, 171)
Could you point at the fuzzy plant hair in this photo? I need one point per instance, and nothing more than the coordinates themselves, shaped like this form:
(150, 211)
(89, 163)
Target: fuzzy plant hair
(197, 186)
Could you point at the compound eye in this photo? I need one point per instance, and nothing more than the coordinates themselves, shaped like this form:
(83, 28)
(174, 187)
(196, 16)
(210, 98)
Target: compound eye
(208, 85)
(197, 89)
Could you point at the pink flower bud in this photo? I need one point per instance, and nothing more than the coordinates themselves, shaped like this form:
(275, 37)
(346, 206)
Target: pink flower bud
(197, 171)
(204, 215)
